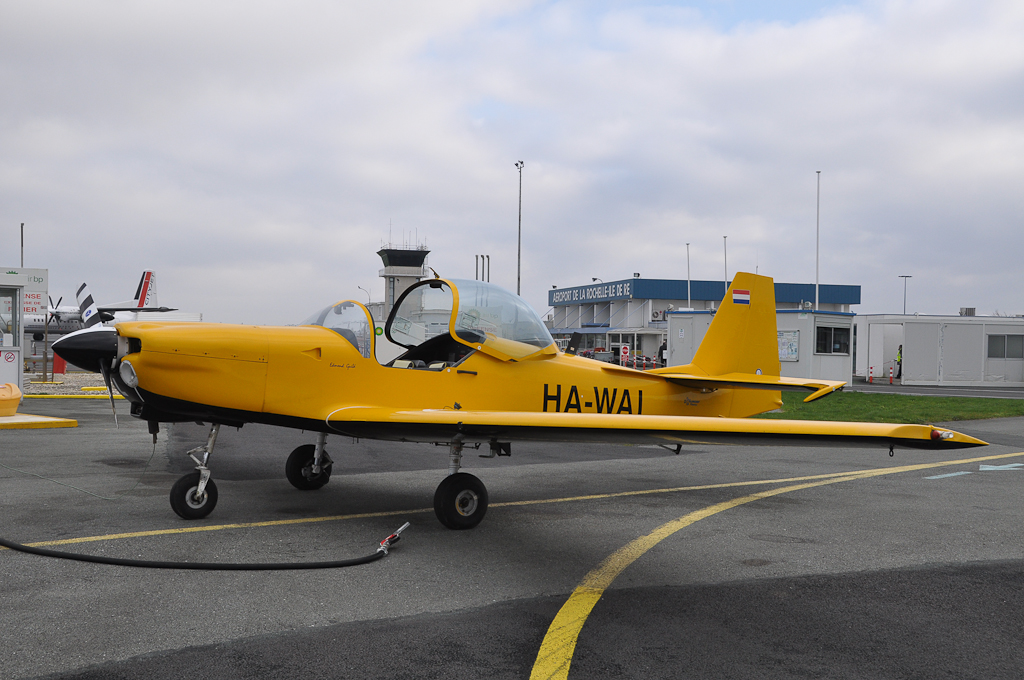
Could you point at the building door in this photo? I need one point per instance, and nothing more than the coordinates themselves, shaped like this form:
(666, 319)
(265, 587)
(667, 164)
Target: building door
(10, 336)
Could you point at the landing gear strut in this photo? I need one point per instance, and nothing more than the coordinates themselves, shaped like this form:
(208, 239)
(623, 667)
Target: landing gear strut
(309, 467)
(460, 501)
(195, 495)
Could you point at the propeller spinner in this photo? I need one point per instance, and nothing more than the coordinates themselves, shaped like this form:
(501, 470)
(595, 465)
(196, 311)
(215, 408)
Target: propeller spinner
(92, 349)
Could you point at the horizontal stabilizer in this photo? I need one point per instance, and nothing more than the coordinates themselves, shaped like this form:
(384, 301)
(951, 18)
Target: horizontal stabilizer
(754, 382)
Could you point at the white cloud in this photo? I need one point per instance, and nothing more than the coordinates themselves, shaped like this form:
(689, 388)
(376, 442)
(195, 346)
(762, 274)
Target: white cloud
(254, 154)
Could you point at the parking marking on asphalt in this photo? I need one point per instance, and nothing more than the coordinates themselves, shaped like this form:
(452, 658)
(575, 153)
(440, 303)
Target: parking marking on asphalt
(555, 654)
(391, 513)
(950, 474)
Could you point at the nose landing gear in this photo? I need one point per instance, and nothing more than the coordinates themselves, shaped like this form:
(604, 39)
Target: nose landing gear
(194, 496)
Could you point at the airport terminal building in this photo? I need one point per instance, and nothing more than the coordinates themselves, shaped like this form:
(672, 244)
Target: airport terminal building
(643, 314)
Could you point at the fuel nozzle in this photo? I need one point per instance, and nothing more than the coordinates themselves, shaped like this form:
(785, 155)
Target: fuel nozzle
(392, 539)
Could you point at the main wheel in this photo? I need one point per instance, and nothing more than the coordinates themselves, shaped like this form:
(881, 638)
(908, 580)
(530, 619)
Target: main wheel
(460, 501)
(299, 469)
(186, 503)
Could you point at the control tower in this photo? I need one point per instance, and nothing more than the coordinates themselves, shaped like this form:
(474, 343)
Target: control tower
(402, 268)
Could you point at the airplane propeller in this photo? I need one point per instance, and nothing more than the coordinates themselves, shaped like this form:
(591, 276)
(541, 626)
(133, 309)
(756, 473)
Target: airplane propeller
(105, 371)
(93, 349)
(55, 314)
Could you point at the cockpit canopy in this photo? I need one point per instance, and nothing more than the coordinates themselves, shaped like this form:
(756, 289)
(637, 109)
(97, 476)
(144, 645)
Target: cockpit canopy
(479, 315)
(348, 319)
(445, 320)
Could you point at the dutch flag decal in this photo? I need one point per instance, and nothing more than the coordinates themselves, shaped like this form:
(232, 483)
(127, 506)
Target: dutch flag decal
(741, 297)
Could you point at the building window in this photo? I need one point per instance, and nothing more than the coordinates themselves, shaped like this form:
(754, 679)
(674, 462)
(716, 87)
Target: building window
(1006, 347)
(832, 340)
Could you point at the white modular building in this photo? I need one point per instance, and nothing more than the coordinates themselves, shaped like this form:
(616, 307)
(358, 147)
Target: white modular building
(942, 350)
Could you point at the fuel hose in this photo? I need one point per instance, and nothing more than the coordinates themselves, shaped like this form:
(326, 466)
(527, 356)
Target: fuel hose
(380, 552)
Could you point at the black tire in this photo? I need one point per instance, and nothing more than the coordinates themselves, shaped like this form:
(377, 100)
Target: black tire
(184, 501)
(299, 469)
(460, 501)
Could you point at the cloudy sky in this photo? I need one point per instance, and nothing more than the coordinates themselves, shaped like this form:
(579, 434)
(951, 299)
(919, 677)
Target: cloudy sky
(256, 155)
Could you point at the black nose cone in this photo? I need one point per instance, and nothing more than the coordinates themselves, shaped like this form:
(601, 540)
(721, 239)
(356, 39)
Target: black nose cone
(87, 348)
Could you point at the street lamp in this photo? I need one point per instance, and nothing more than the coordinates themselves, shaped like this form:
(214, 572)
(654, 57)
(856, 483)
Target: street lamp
(817, 240)
(519, 258)
(688, 304)
(725, 248)
(367, 293)
(905, 277)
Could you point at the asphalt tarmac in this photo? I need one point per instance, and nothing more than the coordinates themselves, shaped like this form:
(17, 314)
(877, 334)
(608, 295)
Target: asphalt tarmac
(894, 570)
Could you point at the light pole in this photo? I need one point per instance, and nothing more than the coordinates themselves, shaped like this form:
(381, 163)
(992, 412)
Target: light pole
(725, 248)
(905, 277)
(519, 257)
(817, 240)
(367, 293)
(688, 304)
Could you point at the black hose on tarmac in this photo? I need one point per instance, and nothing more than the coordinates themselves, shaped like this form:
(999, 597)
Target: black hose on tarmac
(210, 566)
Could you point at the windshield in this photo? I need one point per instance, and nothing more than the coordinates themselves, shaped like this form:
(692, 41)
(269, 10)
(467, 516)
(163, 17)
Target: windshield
(498, 319)
(422, 313)
(348, 319)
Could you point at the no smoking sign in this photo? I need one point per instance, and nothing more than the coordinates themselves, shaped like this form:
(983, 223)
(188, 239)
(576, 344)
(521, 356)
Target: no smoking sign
(9, 357)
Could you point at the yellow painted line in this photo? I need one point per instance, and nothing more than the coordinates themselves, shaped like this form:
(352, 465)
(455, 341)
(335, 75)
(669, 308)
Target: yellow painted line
(838, 476)
(221, 527)
(94, 389)
(390, 513)
(555, 655)
(674, 489)
(70, 396)
(25, 421)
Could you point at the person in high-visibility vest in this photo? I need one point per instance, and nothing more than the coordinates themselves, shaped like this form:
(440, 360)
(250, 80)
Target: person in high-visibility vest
(899, 362)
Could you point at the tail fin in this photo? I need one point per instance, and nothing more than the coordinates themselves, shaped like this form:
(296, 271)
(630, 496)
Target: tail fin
(145, 295)
(743, 336)
(740, 353)
(87, 307)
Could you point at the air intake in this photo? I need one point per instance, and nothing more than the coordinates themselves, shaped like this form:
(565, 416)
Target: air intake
(967, 311)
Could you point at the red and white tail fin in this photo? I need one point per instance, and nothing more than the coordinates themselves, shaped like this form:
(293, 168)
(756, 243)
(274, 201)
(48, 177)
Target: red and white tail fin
(145, 295)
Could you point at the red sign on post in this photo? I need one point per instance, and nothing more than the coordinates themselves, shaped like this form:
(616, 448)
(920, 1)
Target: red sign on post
(624, 355)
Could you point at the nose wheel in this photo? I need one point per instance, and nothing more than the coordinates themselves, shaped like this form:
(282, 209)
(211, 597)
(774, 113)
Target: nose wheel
(188, 502)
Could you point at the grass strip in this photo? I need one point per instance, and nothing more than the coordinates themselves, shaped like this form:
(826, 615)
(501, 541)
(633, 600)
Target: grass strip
(894, 408)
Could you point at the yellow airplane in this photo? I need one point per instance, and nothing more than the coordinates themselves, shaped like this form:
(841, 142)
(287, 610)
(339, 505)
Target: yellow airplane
(476, 365)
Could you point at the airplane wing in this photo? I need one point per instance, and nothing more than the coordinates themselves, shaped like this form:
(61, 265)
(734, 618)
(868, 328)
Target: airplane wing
(442, 425)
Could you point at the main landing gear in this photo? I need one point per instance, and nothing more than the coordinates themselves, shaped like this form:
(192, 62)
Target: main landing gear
(460, 501)
(309, 467)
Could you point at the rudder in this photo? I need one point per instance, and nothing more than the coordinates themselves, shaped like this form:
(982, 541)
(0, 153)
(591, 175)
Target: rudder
(743, 336)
